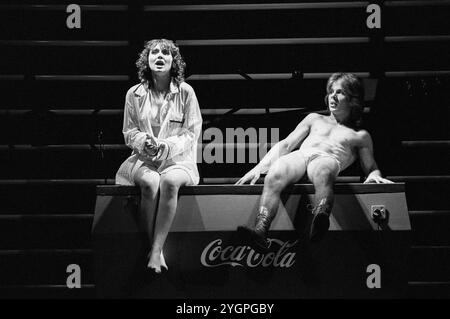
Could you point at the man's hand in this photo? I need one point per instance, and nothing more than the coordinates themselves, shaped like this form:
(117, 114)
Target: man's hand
(252, 176)
(377, 179)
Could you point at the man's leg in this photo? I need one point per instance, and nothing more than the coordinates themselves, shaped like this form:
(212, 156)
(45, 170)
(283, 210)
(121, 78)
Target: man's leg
(286, 170)
(322, 172)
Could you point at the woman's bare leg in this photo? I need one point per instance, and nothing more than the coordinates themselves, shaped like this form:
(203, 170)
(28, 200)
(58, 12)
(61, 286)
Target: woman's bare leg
(169, 185)
(148, 180)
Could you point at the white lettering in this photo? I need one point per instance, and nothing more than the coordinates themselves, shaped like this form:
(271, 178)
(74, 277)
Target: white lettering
(74, 279)
(214, 255)
(373, 20)
(374, 279)
(73, 21)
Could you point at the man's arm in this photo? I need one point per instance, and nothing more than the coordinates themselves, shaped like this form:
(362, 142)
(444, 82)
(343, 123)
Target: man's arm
(285, 146)
(367, 159)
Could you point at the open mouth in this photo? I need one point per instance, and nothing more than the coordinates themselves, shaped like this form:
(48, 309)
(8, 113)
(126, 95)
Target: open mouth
(159, 63)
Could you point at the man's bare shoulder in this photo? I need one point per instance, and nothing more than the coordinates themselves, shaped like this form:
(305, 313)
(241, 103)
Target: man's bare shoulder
(364, 137)
(363, 133)
(312, 117)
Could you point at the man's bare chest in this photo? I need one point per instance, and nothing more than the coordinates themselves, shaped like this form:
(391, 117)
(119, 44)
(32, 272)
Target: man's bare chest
(334, 133)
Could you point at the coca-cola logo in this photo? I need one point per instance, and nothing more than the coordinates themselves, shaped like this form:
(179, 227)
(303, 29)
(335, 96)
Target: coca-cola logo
(214, 255)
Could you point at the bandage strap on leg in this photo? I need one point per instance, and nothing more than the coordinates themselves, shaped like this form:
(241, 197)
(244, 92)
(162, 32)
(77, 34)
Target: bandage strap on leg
(257, 238)
(320, 222)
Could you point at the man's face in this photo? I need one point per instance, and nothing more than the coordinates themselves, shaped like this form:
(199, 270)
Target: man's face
(338, 101)
(160, 60)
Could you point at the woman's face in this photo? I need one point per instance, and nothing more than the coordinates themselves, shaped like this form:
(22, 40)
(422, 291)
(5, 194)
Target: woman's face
(160, 60)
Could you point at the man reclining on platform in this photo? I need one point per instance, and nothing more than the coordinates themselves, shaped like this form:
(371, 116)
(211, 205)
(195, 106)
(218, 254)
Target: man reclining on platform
(321, 146)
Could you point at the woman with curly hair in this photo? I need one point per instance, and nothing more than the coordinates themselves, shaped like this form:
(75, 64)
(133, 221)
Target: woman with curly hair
(162, 123)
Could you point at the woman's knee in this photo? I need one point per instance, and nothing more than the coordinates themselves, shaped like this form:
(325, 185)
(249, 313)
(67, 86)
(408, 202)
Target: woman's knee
(149, 186)
(170, 184)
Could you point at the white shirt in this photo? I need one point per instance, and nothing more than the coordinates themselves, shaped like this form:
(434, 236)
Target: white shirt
(180, 129)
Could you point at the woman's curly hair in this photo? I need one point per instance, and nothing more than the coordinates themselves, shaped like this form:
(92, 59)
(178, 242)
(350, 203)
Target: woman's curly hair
(178, 64)
(353, 87)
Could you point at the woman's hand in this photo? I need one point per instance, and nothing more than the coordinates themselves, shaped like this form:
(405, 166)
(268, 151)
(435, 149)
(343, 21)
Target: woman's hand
(151, 147)
(155, 150)
(163, 150)
(252, 176)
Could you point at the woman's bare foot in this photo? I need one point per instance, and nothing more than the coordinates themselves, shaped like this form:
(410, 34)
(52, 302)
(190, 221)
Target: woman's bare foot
(157, 261)
(163, 261)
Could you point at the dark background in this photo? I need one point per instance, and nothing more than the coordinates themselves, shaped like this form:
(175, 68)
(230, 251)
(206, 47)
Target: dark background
(63, 93)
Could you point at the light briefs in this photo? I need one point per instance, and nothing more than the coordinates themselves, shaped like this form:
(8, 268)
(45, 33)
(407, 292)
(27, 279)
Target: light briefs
(343, 161)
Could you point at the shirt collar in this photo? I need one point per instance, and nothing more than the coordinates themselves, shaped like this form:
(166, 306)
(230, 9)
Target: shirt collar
(174, 87)
(142, 88)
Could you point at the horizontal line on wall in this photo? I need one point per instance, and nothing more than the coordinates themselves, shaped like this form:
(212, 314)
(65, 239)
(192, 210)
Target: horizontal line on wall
(62, 7)
(226, 77)
(394, 74)
(111, 181)
(205, 111)
(437, 143)
(417, 38)
(65, 43)
(222, 42)
(429, 283)
(414, 3)
(7, 252)
(266, 76)
(261, 6)
(82, 77)
(429, 212)
(44, 216)
(72, 181)
(83, 286)
(13, 77)
(272, 41)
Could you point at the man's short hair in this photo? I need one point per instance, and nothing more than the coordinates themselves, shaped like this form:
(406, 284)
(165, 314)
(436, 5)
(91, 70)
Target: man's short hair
(353, 87)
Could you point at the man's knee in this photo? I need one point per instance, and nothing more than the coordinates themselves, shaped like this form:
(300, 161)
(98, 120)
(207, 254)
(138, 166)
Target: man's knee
(277, 176)
(324, 176)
